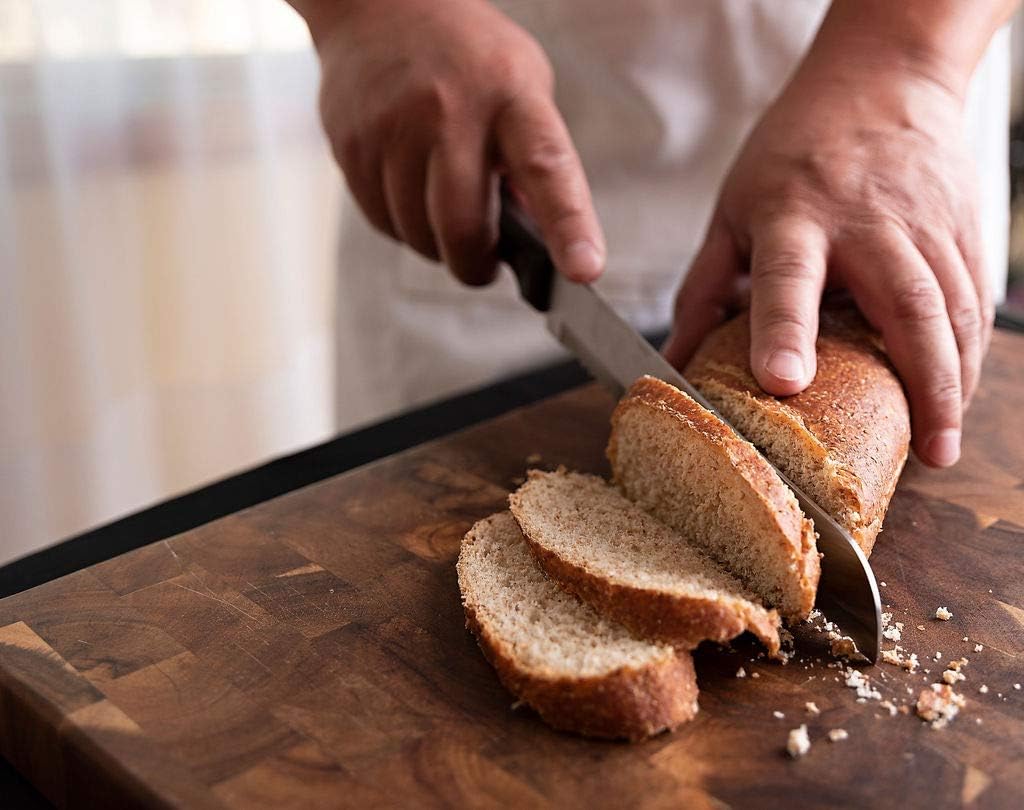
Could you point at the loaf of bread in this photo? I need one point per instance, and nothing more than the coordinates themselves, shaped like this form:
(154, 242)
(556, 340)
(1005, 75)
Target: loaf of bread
(681, 464)
(631, 567)
(580, 671)
(843, 440)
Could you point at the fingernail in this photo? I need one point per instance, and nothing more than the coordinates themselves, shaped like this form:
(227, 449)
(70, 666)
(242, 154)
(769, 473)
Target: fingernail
(786, 365)
(583, 260)
(943, 447)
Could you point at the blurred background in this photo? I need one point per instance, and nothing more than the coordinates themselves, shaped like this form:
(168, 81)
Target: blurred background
(168, 211)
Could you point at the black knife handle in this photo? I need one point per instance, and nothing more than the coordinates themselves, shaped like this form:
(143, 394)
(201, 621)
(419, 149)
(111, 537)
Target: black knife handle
(521, 248)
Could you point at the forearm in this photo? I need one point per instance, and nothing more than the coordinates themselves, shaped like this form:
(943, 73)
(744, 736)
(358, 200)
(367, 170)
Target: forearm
(942, 40)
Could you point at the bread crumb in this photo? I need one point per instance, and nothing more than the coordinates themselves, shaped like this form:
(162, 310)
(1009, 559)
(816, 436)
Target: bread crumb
(882, 584)
(979, 647)
(943, 614)
(892, 633)
(966, 639)
(798, 742)
(893, 656)
(938, 656)
(855, 679)
(983, 689)
(1016, 686)
(755, 674)
(843, 647)
(778, 715)
(837, 734)
(812, 707)
(889, 706)
(920, 627)
(957, 665)
(886, 618)
(952, 676)
(741, 673)
(939, 705)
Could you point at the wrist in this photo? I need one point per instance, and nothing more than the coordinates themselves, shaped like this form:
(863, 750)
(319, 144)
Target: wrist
(933, 41)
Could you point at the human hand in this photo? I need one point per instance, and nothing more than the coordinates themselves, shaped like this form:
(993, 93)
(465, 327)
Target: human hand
(424, 103)
(858, 176)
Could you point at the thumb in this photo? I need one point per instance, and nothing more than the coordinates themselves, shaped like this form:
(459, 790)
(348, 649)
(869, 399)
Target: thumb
(787, 272)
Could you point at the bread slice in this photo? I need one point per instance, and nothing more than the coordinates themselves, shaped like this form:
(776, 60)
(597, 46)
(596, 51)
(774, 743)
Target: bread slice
(680, 463)
(630, 566)
(843, 440)
(578, 670)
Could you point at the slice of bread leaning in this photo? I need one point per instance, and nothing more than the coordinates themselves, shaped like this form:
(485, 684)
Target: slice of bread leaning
(632, 567)
(843, 440)
(680, 463)
(580, 671)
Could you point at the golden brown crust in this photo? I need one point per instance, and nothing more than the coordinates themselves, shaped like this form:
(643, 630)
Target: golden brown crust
(625, 704)
(676, 619)
(852, 422)
(795, 534)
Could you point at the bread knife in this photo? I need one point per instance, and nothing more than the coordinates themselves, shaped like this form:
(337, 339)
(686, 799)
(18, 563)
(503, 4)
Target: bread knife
(617, 355)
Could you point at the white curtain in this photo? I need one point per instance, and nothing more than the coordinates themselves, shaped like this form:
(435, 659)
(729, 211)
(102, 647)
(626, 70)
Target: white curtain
(167, 220)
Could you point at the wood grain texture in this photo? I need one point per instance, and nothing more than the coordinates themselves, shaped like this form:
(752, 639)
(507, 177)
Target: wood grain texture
(311, 652)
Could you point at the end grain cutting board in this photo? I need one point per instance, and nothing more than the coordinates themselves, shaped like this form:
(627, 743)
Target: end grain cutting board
(311, 652)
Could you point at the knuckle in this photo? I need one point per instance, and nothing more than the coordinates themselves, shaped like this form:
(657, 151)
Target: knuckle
(546, 158)
(522, 67)
(518, 69)
(988, 316)
(784, 266)
(944, 394)
(433, 103)
(967, 324)
(781, 320)
(918, 302)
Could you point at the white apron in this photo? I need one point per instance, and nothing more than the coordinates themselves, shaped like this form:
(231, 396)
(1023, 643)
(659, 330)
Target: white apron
(658, 96)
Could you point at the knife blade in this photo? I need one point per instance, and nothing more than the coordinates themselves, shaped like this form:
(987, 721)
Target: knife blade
(617, 355)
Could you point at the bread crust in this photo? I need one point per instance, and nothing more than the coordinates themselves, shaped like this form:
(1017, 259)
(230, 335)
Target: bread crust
(678, 620)
(852, 422)
(795, 537)
(629, 703)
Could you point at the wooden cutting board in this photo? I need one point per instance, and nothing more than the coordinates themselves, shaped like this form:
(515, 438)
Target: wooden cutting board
(310, 652)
